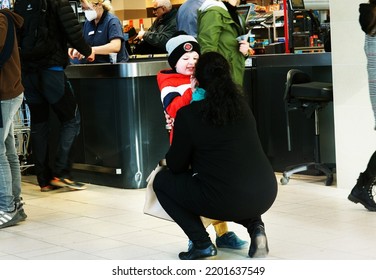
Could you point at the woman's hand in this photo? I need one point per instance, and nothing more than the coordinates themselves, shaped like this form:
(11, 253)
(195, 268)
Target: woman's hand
(91, 57)
(169, 121)
(194, 83)
(245, 49)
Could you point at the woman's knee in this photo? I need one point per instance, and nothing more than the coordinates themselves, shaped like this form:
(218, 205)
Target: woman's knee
(158, 180)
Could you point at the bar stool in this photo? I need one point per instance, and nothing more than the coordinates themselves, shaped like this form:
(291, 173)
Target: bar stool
(310, 97)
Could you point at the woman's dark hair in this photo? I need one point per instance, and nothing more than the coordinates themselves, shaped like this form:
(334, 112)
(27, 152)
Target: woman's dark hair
(222, 103)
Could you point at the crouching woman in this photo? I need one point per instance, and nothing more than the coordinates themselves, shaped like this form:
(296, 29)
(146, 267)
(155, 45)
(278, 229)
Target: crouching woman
(216, 165)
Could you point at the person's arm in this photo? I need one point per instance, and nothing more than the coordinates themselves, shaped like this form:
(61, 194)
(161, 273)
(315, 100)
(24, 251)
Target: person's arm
(179, 101)
(112, 47)
(72, 29)
(115, 37)
(175, 92)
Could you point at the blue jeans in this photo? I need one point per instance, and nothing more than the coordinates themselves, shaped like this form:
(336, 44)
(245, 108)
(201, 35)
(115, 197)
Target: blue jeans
(10, 173)
(45, 90)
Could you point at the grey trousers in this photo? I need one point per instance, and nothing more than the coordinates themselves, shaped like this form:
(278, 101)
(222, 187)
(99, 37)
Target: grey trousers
(370, 51)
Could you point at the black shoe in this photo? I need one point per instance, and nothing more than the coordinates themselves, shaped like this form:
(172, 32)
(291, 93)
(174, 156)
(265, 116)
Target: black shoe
(362, 192)
(194, 254)
(259, 243)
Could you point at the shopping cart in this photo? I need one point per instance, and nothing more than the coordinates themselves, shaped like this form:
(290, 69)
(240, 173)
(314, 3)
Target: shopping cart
(21, 124)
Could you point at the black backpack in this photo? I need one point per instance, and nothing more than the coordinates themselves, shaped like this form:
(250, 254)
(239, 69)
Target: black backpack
(35, 42)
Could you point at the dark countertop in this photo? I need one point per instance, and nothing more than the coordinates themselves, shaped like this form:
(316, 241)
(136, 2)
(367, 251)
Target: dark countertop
(143, 66)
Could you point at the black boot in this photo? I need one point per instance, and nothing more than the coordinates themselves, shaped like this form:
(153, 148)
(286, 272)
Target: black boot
(259, 243)
(362, 192)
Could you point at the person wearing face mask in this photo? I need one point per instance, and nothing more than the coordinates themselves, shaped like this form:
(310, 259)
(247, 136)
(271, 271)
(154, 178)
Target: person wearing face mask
(103, 31)
(219, 26)
(153, 41)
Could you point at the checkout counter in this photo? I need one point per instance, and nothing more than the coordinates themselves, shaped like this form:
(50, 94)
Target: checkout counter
(123, 133)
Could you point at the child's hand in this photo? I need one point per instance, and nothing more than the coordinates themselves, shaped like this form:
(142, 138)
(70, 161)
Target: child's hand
(169, 121)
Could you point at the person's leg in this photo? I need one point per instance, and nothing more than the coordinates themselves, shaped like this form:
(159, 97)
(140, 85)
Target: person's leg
(66, 109)
(59, 93)
(369, 48)
(39, 114)
(220, 227)
(39, 142)
(362, 192)
(174, 203)
(12, 155)
(370, 172)
(178, 195)
(14, 162)
(259, 242)
(10, 173)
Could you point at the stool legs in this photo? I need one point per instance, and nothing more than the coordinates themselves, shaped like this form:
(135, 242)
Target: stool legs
(326, 169)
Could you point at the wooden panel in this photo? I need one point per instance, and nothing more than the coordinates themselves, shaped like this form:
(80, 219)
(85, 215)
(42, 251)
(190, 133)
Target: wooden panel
(130, 14)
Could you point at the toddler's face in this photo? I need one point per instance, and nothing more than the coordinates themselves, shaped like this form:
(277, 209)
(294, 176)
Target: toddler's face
(187, 62)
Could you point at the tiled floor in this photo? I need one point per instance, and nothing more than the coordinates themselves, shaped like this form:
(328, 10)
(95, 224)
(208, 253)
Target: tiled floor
(308, 221)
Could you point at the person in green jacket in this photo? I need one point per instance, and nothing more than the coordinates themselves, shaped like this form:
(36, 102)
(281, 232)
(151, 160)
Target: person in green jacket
(219, 26)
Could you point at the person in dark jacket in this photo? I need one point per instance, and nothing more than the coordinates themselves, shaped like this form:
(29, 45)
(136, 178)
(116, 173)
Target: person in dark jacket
(153, 41)
(47, 87)
(216, 164)
(362, 192)
(11, 96)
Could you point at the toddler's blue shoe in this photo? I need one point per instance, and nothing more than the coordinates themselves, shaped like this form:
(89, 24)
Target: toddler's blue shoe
(230, 240)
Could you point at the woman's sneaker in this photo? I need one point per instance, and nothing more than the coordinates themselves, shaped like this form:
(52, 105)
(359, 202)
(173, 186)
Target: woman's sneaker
(65, 182)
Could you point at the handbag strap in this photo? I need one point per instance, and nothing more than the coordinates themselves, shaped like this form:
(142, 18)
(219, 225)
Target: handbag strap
(9, 41)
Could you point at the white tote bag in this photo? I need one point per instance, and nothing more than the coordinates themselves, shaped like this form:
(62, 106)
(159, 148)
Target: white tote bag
(152, 206)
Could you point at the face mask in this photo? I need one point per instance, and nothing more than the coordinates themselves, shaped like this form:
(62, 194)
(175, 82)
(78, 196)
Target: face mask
(90, 15)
